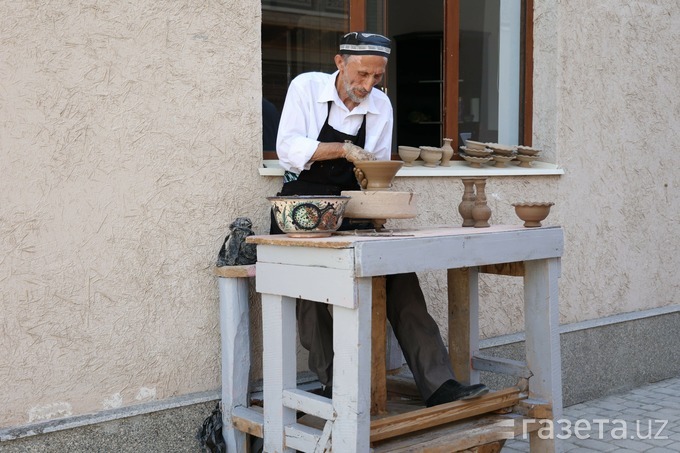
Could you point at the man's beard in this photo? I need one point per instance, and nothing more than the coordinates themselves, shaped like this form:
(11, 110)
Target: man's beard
(352, 95)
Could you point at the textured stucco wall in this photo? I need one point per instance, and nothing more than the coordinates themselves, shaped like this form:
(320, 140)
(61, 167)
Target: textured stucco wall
(130, 139)
(618, 137)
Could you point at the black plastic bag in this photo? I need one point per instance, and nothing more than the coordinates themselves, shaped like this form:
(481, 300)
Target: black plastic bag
(210, 434)
(235, 251)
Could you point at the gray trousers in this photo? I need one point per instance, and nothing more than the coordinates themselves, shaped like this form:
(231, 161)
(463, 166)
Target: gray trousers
(416, 331)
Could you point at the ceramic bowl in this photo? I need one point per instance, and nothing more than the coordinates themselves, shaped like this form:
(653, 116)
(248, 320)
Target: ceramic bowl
(309, 216)
(501, 161)
(475, 152)
(533, 212)
(503, 150)
(475, 145)
(431, 155)
(384, 204)
(476, 162)
(379, 173)
(525, 161)
(527, 151)
(408, 154)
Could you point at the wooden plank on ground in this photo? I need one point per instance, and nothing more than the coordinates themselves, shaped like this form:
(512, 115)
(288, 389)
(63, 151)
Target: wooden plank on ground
(458, 436)
(493, 447)
(398, 425)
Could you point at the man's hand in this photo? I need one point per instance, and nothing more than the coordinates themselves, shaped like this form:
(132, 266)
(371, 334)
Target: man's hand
(361, 178)
(354, 153)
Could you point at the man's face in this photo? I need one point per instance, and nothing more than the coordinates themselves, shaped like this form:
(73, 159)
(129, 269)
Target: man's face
(358, 75)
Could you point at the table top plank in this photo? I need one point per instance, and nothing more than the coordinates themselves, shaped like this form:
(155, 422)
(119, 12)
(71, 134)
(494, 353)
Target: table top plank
(450, 251)
(346, 239)
(422, 249)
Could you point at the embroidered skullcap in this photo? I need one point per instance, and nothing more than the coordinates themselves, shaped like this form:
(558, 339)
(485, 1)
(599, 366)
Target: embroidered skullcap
(361, 43)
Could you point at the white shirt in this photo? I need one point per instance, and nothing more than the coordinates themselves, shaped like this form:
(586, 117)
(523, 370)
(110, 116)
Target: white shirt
(305, 111)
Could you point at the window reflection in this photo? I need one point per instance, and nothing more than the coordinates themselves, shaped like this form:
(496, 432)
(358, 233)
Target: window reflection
(297, 36)
(489, 70)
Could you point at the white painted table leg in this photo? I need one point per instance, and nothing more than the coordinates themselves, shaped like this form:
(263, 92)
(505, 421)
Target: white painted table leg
(279, 367)
(352, 372)
(541, 319)
(235, 342)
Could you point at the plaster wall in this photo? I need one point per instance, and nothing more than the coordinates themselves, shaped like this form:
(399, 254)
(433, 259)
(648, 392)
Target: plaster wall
(130, 139)
(617, 132)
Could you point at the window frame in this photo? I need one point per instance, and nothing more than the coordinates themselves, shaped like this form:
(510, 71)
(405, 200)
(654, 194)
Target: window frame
(451, 31)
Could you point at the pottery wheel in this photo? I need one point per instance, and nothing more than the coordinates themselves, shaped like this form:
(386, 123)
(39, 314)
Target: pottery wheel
(380, 204)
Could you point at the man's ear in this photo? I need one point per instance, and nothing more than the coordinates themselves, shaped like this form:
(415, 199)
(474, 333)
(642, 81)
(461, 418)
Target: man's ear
(339, 62)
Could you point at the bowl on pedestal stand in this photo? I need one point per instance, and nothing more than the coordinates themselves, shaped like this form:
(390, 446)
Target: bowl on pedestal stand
(376, 202)
(533, 212)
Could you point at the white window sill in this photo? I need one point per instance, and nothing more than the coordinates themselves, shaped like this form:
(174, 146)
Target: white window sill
(457, 168)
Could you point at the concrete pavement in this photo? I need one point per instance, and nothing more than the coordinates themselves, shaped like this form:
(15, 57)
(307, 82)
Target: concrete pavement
(645, 419)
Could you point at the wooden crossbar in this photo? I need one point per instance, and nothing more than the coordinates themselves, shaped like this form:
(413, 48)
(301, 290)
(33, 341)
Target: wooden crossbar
(244, 271)
(515, 269)
(501, 365)
(248, 420)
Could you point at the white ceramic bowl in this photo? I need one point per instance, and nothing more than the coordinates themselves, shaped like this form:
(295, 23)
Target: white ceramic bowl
(309, 216)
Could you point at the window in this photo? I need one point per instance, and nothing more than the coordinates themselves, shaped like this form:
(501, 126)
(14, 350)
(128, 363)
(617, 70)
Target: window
(480, 90)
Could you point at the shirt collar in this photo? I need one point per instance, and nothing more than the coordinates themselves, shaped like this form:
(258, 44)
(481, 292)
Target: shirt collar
(329, 93)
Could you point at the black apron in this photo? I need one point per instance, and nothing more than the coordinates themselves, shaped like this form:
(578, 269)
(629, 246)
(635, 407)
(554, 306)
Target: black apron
(327, 177)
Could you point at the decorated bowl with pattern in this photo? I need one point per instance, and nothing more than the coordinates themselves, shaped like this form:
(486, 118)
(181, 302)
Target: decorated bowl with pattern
(309, 216)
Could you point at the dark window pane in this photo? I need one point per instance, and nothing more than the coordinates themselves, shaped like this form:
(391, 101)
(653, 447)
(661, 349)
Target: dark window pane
(297, 36)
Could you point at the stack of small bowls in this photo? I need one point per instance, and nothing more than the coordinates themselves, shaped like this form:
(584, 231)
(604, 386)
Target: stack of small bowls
(502, 154)
(475, 153)
(526, 155)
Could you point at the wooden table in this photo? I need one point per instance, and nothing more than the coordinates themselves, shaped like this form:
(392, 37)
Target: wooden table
(338, 270)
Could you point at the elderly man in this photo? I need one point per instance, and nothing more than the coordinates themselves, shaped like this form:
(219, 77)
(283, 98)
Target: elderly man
(328, 122)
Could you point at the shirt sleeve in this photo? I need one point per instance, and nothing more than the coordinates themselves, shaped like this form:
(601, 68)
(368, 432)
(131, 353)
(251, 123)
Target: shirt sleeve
(380, 141)
(293, 146)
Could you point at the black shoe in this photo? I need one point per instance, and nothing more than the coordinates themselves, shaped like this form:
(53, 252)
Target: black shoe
(453, 391)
